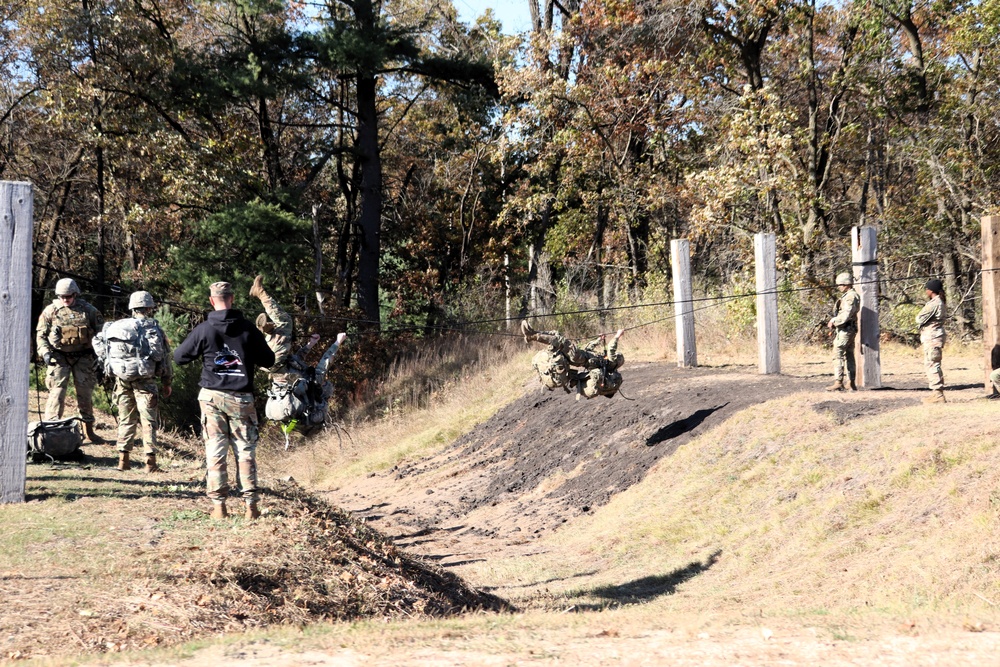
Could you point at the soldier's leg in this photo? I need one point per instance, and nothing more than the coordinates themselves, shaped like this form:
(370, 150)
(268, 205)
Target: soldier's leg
(147, 399)
(215, 430)
(282, 320)
(128, 415)
(56, 381)
(243, 421)
(85, 380)
(932, 361)
(852, 366)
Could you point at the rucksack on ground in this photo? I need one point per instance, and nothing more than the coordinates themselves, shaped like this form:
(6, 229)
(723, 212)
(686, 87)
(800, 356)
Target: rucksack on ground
(130, 348)
(59, 439)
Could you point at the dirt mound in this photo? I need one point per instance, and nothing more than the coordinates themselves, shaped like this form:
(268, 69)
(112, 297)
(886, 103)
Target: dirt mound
(547, 457)
(122, 561)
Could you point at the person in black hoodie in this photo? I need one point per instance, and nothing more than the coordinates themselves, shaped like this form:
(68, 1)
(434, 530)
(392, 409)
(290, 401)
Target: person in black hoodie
(230, 348)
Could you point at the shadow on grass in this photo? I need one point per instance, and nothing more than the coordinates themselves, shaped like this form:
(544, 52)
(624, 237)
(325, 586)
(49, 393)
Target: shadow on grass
(681, 426)
(644, 589)
(103, 487)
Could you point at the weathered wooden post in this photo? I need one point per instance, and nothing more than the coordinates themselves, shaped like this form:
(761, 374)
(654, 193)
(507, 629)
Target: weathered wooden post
(765, 264)
(864, 254)
(991, 295)
(680, 262)
(16, 204)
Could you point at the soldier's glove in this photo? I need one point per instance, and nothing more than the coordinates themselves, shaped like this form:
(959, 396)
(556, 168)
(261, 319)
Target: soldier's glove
(48, 359)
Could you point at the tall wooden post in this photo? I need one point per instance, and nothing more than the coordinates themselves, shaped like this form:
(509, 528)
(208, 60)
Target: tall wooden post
(864, 253)
(765, 264)
(991, 295)
(680, 262)
(16, 210)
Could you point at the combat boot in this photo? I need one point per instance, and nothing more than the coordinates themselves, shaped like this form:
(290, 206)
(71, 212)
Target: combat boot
(936, 397)
(151, 464)
(529, 333)
(219, 511)
(838, 385)
(123, 461)
(253, 511)
(88, 430)
(257, 291)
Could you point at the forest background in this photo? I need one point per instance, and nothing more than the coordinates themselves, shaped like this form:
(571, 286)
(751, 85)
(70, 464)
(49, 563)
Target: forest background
(399, 173)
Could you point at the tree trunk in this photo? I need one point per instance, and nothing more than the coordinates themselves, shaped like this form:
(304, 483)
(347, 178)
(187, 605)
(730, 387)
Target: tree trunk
(370, 218)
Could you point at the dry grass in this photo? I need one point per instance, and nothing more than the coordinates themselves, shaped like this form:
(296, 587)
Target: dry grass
(894, 513)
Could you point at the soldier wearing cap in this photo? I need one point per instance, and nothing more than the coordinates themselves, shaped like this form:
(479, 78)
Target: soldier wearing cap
(138, 399)
(845, 325)
(230, 348)
(63, 338)
(930, 321)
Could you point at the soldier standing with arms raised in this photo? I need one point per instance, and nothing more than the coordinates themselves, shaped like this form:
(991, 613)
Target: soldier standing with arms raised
(230, 348)
(63, 339)
(845, 324)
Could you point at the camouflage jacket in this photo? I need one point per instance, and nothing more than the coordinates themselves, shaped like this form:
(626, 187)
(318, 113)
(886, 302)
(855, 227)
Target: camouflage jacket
(846, 318)
(68, 329)
(930, 321)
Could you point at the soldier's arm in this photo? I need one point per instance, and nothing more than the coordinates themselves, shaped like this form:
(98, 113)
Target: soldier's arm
(96, 319)
(42, 334)
(926, 315)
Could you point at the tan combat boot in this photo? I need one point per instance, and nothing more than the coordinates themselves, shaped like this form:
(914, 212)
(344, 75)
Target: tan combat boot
(838, 385)
(257, 291)
(219, 511)
(123, 461)
(529, 333)
(151, 464)
(253, 511)
(936, 397)
(88, 430)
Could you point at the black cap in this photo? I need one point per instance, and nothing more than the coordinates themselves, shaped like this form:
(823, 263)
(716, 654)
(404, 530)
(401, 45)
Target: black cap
(934, 285)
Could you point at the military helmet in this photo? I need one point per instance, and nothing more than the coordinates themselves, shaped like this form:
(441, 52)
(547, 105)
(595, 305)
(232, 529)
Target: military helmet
(67, 287)
(141, 299)
(845, 278)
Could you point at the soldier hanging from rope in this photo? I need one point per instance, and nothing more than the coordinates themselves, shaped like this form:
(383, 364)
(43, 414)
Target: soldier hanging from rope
(299, 392)
(599, 375)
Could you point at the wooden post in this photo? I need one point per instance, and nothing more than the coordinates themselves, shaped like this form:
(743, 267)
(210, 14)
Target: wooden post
(680, 262)
(864, 254)
(765, 263)
(16, 203)
(991, 295)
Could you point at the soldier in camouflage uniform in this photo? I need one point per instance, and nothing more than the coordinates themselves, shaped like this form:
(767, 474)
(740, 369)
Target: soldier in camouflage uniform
(63, 338)
(600, 374)
(230, 348)
(845, 323)
(930, 321)
(138, 400)
(288, 368)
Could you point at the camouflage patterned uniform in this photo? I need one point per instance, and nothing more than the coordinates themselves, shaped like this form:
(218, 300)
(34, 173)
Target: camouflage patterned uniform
(64, 335)
(139, 402)
(278, 333)
(601, 376)
(845, 323)
(229, 419)
(553, 363)
(930, 321)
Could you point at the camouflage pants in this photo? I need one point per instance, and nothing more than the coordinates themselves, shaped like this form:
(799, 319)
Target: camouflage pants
(84, 375)
(843, 356)
(932, 362)
(995, 379)
(138, 403)
(229, 421)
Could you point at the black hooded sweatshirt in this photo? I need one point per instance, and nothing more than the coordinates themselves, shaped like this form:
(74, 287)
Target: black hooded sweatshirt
(230, 348)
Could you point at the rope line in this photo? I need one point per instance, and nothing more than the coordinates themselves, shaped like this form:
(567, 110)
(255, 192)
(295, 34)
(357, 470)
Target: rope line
(118, 293)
